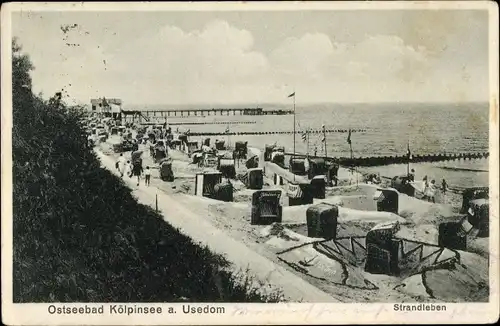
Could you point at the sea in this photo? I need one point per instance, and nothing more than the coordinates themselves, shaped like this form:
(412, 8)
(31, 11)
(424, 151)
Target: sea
(387, 129)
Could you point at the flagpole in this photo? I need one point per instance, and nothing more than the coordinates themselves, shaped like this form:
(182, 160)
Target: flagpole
(294, 123)
(352, 168)
(350, 143)
(324, 138)
(355, 168)
(294, 128)
(408, 157)
(307, 138)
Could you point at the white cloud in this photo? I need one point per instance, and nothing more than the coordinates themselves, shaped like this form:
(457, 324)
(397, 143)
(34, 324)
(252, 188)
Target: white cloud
(185, 66)
(304, 57)
(218, 51)
(367, 70)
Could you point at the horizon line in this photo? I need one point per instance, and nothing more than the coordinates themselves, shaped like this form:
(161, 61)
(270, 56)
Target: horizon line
(252, 105)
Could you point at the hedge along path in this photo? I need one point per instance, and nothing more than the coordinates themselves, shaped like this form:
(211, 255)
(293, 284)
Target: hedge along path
(196, 227)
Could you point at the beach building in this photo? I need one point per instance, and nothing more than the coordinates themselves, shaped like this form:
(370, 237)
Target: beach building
(111, 107)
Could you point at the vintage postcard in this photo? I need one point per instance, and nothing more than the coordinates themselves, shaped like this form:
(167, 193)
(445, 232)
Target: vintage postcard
(250, 163)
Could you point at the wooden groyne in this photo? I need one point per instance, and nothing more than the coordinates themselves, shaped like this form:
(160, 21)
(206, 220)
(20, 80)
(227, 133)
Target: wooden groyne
(263, 133)
(399, 159)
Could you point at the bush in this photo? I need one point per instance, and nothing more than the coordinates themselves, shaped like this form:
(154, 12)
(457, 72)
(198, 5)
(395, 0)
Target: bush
(80, 236)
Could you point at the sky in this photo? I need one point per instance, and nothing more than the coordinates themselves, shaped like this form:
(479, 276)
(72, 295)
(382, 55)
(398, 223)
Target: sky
(259, 57)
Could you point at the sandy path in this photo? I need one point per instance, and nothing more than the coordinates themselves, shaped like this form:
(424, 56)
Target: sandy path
(197, 227)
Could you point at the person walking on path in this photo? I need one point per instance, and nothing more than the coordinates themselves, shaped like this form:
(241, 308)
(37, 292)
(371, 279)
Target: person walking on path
(120, 164)
(137, 170)
(128, 169)
(147, 176)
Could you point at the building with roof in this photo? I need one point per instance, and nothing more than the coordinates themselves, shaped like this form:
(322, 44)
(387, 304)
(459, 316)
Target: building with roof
(108, 107)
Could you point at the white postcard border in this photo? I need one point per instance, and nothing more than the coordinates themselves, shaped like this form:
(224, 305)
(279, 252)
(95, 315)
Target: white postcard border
(296, 313)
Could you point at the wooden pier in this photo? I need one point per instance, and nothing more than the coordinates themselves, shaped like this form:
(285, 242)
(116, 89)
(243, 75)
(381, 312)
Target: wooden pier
(148, 115)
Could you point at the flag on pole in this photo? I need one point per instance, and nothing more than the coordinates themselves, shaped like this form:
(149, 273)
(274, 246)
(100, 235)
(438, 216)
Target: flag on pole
(323, 139)
(349, 137)
(227, 129)
(292, 95)
(304, 135)
(408, 153)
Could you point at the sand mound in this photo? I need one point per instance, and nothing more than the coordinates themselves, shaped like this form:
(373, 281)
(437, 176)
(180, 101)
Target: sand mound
(414, 286)
(243, 195)
(465, 279)
(273, 229)
(297, 214)
(479, 246)
(282, 238)
(426, 233)
(307, 260)
(359, 189)
(439, 273)
(421, 211)
(456, 285)
(430, 269)
(347, 214)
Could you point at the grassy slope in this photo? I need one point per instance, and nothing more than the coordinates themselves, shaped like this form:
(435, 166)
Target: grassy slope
(79, 235)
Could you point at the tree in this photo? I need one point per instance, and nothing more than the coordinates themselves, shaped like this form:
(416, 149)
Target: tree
(21, 80)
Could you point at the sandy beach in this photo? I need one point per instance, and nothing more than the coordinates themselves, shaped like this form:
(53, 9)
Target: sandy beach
(418, 221)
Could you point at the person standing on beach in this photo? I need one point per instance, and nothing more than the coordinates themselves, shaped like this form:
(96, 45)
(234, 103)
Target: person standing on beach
(425, 190)
(335, 174)
(432, 191)
(444, 186)
(147, 176)
(411, 176)
(307, 165)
